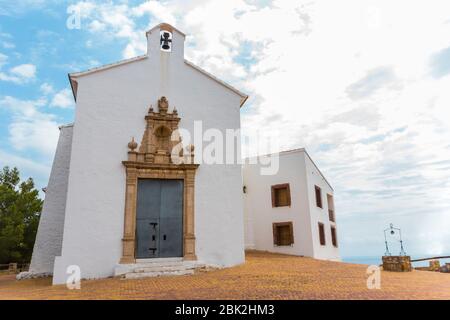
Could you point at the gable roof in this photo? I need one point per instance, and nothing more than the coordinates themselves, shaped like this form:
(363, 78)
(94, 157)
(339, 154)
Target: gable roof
(73, 76)
(243, 96)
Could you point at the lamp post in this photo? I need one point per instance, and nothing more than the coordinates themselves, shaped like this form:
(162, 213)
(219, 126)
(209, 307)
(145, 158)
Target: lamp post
(392, 230)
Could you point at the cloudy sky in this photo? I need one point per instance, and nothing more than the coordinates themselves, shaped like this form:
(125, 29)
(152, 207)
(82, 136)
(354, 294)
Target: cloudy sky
(364, 85)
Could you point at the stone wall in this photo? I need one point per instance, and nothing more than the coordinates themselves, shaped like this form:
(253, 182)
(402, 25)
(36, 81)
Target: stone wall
(435, 265)
(397, 263)
(445, 268)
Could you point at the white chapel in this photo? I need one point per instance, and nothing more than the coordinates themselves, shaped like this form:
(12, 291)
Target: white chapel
(127, 193)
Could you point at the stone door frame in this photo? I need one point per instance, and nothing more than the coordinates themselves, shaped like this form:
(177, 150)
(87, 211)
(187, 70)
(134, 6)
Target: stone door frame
(154, 161)
(135, 171)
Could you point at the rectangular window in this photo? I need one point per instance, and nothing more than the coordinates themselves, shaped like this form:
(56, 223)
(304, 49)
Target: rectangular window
(318, 196)
(322, 234)
(330, 202)
(334, 236)
(281, 195)
(283, 234)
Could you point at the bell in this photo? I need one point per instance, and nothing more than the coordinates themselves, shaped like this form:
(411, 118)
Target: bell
(165, 40)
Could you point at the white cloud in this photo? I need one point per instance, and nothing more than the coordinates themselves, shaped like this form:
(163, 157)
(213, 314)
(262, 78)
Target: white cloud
(15, 8)
(31, 128)
(3, 59)
(46, 88)
(8, 45)
(111, 20)
(19, 74)
(11, 160)
(63, 99)
(25, 71)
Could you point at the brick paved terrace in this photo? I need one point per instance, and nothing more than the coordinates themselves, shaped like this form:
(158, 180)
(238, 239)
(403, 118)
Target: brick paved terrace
(263, 276)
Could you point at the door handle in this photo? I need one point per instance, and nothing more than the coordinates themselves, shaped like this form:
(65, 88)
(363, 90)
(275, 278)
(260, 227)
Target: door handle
(153, 224)
(164, 237)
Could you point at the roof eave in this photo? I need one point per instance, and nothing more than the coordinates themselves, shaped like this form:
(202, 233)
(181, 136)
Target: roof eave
(243, 96)
(243, 100)
(72, 87)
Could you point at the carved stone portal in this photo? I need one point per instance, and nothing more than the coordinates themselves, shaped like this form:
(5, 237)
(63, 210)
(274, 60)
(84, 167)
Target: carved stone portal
(160, 156)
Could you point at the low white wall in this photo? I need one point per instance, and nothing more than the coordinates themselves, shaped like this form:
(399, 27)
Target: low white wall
(51, 224)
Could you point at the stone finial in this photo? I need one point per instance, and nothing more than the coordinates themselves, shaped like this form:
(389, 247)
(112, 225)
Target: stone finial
(163, 105)
(150, 110)
(175, 111)
(191, 149)
(132, 145)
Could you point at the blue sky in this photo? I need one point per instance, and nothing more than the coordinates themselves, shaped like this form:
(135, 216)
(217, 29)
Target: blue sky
(362, 84)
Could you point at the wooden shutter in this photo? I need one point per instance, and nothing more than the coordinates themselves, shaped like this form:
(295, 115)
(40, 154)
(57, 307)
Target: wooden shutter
(275, 234)
(274, 201)
(283, 233)
(322, 234)
(281, 195)
(318, 192)
(291, 229)
(334, 236)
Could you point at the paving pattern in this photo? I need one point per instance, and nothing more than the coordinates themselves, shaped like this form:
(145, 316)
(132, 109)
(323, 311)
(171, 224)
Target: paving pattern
(263, 276)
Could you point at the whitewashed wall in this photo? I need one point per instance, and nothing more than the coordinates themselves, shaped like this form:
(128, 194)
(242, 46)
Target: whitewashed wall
(50, 231)
(261, 215)
(297, 169)
(314, 178)
(111, 106)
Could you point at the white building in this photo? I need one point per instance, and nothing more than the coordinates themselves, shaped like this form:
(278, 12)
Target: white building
(291, 212)
(117, 156)
(119, 198)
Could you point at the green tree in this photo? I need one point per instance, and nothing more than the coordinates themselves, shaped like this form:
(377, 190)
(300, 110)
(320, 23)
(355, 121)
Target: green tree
(20, 210)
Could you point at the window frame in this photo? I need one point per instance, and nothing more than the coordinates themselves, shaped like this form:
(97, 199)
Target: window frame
(288, 196)
(317, 188)
(275, 226)
(334, 240)
(330, 204)
(322, 234)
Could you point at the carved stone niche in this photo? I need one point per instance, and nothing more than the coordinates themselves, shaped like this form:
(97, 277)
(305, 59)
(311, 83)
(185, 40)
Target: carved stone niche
(160, 156)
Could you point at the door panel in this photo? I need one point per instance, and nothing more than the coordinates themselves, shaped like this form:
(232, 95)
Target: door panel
(147, 238)
(148, 199)
(147, 218)
(171, 217)
(159, 218)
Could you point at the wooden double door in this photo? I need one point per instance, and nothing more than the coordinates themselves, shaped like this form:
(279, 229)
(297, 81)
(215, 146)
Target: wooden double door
(159, 218)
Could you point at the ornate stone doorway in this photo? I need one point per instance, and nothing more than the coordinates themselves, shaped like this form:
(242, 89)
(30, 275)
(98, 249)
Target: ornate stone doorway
(160, 156)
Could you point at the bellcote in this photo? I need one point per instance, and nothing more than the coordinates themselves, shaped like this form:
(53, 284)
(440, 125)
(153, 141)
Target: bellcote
(166, 40)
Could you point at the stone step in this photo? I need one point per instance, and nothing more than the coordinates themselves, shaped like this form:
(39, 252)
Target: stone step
(159, 260)
(172, 267)
(140, 275)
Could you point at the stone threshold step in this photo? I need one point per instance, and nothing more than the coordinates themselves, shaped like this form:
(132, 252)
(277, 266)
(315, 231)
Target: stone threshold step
(140, 275)
(165, 268)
